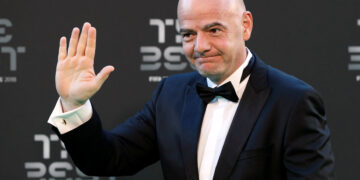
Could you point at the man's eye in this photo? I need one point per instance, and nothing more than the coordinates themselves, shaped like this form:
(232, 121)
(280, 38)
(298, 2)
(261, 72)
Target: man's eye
(215, 30)
(187, 36)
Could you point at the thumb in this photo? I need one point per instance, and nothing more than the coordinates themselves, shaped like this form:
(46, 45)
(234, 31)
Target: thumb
(104, 74)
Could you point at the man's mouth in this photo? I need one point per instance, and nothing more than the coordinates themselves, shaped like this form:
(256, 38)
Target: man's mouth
(205, 59)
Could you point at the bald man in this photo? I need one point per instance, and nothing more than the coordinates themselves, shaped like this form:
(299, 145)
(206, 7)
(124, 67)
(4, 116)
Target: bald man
(234, 118)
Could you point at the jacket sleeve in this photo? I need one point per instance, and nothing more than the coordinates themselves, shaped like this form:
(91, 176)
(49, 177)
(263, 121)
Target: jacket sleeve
(125, 150)
(307, 146)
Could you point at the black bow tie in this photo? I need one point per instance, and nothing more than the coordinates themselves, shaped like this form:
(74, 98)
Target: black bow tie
(227, 90)
(208, 94)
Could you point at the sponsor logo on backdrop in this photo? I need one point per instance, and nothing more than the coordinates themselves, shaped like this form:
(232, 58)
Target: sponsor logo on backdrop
(55, 163)
(8, 53)
(354, 52)
(166, 53)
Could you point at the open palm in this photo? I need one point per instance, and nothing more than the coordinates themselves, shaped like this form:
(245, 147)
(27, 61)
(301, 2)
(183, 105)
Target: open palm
(75, 78)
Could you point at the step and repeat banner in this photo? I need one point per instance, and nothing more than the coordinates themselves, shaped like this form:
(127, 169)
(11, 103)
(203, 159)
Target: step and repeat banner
(316, 41)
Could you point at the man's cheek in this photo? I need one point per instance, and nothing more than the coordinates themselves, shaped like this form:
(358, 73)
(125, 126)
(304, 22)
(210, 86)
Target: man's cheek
(188, 48)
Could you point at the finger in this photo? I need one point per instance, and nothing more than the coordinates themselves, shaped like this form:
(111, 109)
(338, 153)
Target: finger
(91, 43)
(83, 38)
(103, 75)
(62, 49)
(73, 42)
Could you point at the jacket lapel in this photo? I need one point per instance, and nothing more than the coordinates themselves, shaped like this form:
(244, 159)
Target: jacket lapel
(192, 115)
(251, 104)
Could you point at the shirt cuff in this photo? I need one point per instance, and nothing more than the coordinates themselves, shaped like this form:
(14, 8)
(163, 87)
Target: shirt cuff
(70, 120)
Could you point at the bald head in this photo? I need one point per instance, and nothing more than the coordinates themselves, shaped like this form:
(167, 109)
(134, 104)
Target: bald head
(214, 34)
(229, 6)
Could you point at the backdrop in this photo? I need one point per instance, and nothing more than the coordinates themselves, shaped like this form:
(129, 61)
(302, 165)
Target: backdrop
(317, 41)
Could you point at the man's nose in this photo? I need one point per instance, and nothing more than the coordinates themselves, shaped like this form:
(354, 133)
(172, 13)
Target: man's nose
(202, 44)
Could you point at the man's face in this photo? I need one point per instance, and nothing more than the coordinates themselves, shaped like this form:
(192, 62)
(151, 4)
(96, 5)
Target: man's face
(214, 34)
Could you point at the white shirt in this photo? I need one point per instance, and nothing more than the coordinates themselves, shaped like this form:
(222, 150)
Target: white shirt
(70, 120)
(218, 116)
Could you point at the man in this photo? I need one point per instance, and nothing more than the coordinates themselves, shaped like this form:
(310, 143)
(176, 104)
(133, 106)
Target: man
(257, 122)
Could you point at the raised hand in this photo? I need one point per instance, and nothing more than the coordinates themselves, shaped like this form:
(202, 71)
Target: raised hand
(75, 78)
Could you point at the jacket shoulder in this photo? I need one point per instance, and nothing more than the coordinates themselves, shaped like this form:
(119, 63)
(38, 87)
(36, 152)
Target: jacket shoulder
(288, 86)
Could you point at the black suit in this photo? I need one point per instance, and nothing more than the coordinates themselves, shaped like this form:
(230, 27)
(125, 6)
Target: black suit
(279, 132)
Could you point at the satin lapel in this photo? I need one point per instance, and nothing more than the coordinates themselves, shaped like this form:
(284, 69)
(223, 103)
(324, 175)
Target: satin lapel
(192, 115)
(251, 104)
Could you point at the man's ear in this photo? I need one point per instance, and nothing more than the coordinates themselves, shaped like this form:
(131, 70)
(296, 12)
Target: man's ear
(247, 25)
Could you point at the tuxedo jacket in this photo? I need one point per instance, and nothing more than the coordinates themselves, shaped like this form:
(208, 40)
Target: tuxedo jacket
(279, 131)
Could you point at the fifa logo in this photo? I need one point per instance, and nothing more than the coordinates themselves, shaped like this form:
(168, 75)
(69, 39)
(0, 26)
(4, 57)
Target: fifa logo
(354, 52)
(9, 52)
(169, 57)
(48, 168)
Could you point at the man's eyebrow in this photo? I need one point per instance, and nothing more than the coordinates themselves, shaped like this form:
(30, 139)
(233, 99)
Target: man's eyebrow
(186, 30)
(208, 26)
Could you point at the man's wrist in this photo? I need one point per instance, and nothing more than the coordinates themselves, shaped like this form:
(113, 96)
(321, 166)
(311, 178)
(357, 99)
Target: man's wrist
(69, 106)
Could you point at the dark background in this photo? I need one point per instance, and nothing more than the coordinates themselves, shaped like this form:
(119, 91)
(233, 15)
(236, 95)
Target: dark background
(308, 39)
